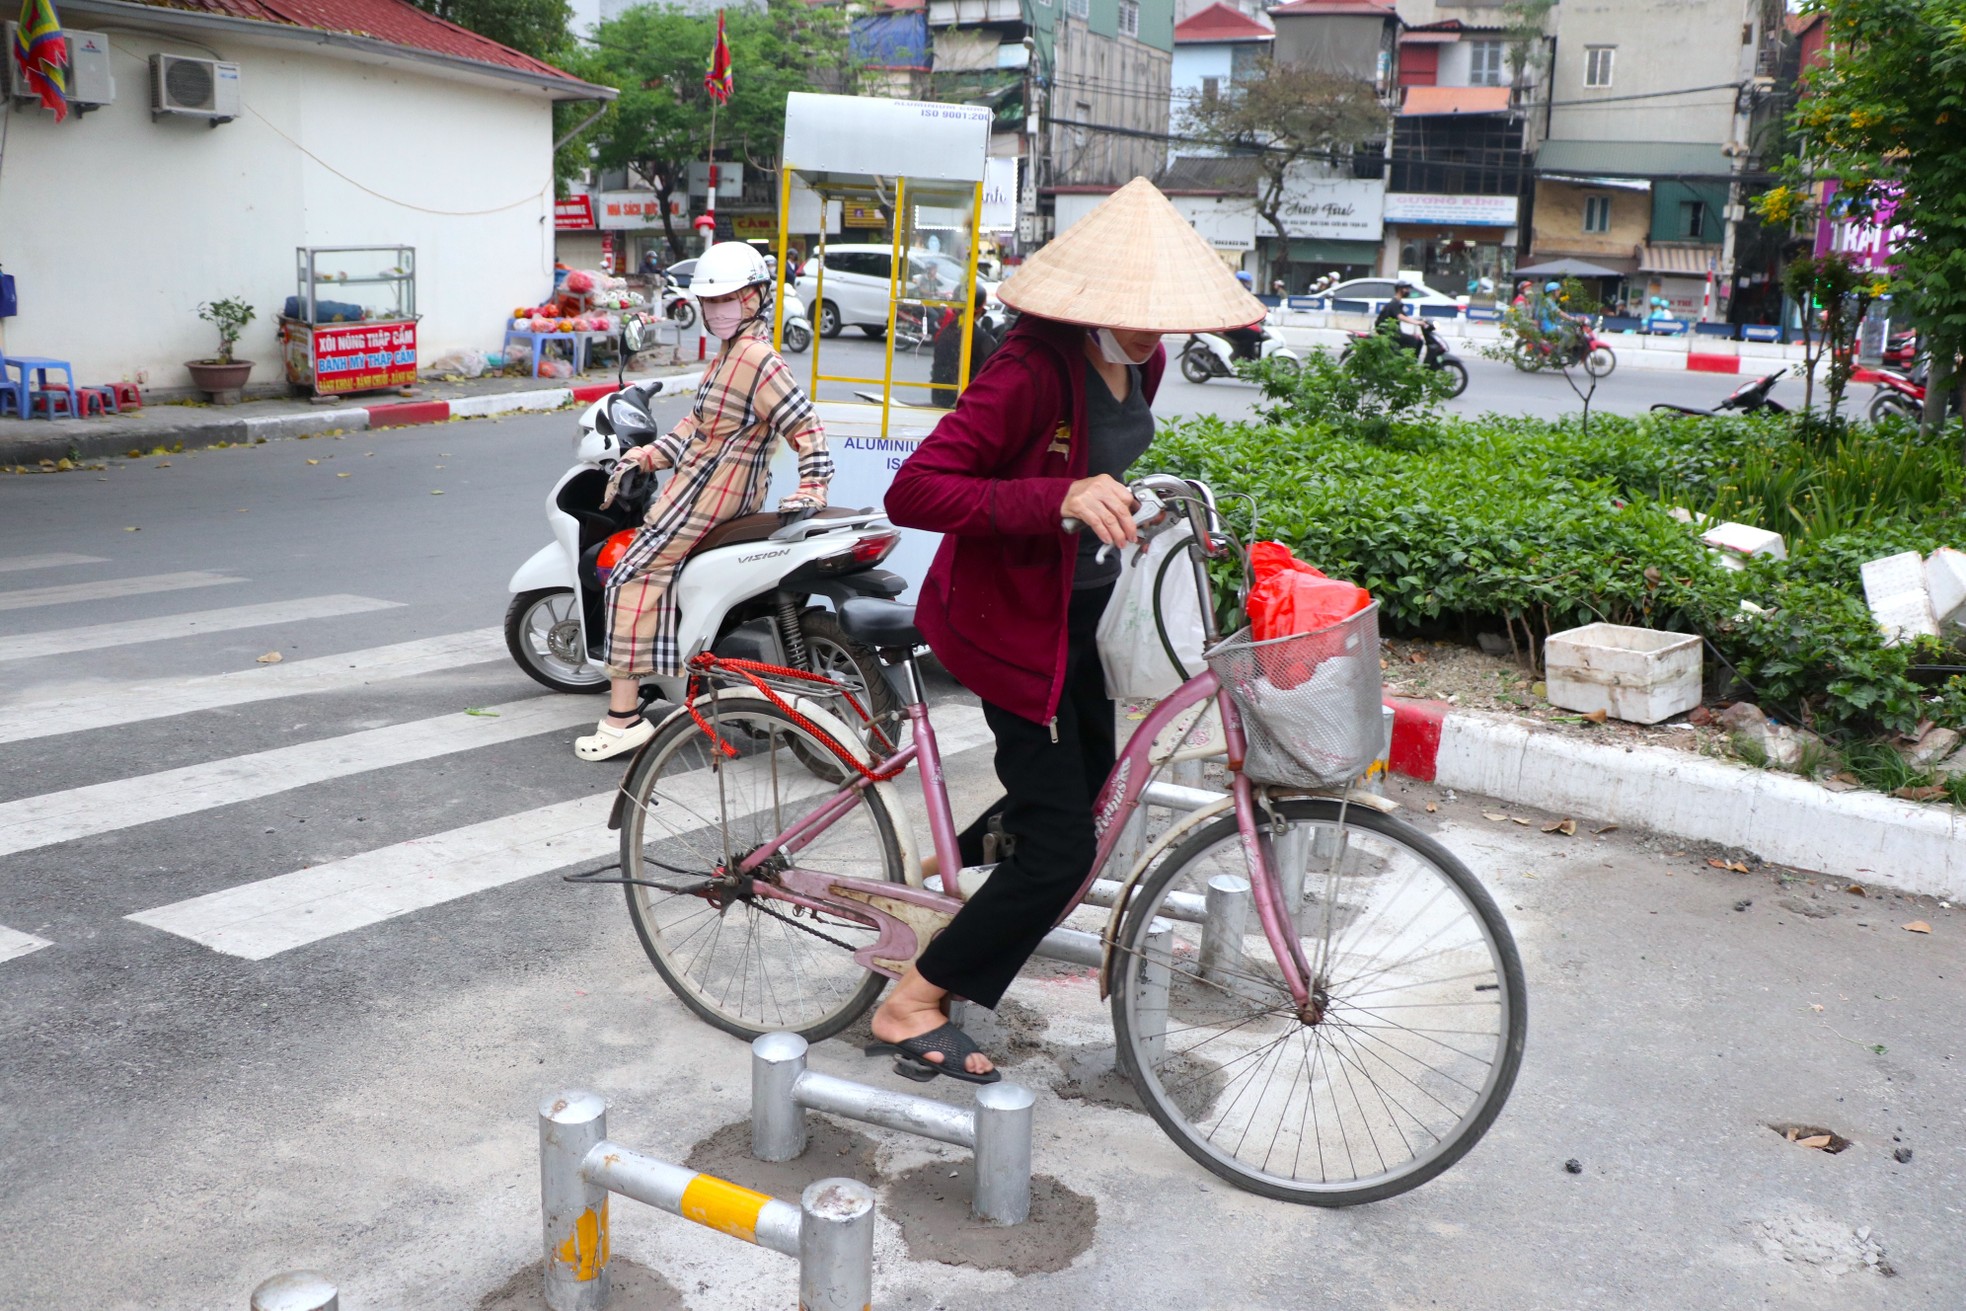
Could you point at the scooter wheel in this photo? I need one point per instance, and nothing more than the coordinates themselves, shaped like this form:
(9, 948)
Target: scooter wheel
(683, 314)
(1194, 367)
(1891, 404)
(1458, 372)
(797, 339)
(542, 631)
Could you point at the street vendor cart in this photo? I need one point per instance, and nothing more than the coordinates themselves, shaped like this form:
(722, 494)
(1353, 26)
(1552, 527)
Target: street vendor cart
(350, 325)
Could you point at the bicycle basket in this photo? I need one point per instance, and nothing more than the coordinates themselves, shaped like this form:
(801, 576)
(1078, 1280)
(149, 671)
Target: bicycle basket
(1309, 703)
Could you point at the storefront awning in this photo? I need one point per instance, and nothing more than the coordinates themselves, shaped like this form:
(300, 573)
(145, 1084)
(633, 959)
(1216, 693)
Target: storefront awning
(1429, 100)
(1334, 252)
(1575, 268)
(1687, 259)
(1633, 159)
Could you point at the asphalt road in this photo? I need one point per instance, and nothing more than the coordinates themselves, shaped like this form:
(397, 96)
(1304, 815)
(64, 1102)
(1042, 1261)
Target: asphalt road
(287, 966)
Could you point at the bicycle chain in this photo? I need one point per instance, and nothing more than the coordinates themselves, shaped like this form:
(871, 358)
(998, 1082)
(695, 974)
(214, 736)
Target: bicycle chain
(807, 928)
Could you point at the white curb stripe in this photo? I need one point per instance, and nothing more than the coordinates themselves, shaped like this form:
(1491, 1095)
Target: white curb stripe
(52, 560)
(262, 919)
(55, 817)
(15, 944)
(109, 588)
(1865, 836)
(474, 407)
(94, 637)
(22, 719)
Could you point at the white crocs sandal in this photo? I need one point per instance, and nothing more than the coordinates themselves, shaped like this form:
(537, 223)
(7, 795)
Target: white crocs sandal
(607, 741)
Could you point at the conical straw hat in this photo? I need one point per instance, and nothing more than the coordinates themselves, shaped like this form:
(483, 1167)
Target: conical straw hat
(1133, 262)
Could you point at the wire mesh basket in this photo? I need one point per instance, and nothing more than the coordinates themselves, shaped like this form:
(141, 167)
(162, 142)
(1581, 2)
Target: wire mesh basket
(1309, 703)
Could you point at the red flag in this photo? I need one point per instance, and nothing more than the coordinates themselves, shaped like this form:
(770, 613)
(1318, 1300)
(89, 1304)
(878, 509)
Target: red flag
(718, 80)
(41, 52)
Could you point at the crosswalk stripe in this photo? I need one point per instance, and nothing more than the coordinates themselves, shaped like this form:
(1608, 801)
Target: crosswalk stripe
(262, 919)
(52, 560)
(23, 719)
(105, 589)
(53, 817)
(14, 943)
(94, 637)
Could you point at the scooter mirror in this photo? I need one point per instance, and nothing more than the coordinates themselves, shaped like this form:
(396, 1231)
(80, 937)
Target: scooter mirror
(635, 336)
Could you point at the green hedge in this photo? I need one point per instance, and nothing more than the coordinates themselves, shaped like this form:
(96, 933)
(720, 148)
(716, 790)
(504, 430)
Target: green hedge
(1470, 525)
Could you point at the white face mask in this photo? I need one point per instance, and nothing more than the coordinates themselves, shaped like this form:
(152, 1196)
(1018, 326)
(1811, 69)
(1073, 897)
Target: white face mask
(1111, 350)
(724, 317)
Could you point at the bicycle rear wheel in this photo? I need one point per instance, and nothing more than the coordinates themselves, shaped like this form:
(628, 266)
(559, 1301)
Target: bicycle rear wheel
(746, 962)
(1405, 1059)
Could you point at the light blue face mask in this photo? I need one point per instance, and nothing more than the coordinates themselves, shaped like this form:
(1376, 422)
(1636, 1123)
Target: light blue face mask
(1111, 350)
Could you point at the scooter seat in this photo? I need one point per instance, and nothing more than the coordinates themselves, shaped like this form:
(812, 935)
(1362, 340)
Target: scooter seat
(873, 622)
(756, 528)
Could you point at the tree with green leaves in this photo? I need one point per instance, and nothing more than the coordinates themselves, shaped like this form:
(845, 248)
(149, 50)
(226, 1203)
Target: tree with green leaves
(1833, 295)
(1884, 112)
(535, 27)
(1287, 115)
(660, 124)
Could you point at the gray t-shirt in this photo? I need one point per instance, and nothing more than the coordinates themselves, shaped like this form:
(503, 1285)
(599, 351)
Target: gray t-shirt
(1118, 432)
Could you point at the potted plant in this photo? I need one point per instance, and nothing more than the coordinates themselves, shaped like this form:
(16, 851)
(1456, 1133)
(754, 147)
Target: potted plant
(222, 377)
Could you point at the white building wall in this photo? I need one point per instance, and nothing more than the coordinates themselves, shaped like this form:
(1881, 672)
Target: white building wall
(117, 228)
(1194, 62)
(1661, 46)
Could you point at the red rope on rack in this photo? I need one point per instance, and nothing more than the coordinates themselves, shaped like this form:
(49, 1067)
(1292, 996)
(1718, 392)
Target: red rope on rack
(750, 670)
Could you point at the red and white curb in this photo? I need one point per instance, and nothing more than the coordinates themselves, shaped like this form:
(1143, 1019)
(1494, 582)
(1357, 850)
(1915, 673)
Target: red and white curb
(1865, 836)
(401, 414)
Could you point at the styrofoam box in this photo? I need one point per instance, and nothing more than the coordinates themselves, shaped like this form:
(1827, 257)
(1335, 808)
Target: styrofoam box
(1894, 588)
(1746, 539)
(1639, 675)
(1945, 583)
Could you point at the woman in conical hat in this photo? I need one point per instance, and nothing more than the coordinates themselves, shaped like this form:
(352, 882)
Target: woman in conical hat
(1047, 431)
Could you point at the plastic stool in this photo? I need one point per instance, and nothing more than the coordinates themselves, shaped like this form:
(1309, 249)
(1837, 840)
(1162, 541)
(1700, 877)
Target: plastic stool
(127, 396)
(99, 399)
(44, 399)
(9, 400)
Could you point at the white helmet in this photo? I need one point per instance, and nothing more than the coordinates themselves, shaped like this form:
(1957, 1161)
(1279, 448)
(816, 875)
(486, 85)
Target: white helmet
(726, 267)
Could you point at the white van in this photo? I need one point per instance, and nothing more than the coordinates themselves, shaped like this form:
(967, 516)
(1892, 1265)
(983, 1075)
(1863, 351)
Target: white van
(857, 283)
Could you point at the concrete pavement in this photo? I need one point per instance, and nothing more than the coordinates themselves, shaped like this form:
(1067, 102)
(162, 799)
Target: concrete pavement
(178, 1122)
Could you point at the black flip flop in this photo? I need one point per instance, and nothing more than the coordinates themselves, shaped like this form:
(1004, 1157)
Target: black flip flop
(911, 1056)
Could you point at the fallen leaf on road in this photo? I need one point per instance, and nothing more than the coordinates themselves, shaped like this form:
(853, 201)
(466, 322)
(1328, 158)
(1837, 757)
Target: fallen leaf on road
(473, 710)
(1493, 816)
(1816, 1006)
(1431, 807)
(1918, 926)
(1567, 827)
(313, 461)
(1815, 1140)
(1608, 828)
(270, 658)
(1856, 890)
(1415, 658)
(1931, 792)
(1734, 865)
(436, 493)
(341, 475)
(1597, 716)
(133, 530)
(1520, 820)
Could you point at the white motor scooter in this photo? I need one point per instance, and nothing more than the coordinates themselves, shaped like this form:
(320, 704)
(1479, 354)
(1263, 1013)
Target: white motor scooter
(1208, 355)
(745, 591)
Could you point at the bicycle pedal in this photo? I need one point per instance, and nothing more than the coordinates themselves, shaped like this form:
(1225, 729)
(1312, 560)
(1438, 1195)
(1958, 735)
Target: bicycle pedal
(910, 1068)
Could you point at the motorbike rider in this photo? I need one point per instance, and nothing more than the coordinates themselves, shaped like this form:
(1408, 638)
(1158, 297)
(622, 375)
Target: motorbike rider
(1570, 331)
(1392, 319)
(948, 358)
(721, 453)
(1245, 343)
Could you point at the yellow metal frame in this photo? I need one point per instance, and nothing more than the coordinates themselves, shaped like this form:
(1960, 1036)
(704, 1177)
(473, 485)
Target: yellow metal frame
(899, 240)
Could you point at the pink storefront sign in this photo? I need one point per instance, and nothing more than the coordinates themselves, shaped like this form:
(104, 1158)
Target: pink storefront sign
(1866, 241)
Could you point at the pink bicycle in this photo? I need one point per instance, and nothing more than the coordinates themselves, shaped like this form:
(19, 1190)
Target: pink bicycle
(1316, 1001)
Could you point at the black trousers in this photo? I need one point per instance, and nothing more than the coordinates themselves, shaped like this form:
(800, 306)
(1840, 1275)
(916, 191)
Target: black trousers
(1049, 788)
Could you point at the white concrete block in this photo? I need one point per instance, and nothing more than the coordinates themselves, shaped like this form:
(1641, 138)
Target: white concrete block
(477, 407)
(1894, 588)
(1746, 541)
(1639, 675)
(1945, 585)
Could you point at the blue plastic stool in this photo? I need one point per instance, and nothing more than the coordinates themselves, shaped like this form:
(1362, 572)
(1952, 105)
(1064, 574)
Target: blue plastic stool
(44, 399)
(539, 340)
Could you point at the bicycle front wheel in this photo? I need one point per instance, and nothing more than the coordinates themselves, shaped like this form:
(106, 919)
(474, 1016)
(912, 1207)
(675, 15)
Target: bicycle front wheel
(742, 959)
(1413, 1037)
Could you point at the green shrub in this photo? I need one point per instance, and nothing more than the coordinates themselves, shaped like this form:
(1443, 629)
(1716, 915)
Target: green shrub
(1470, 526)
(1374, 391)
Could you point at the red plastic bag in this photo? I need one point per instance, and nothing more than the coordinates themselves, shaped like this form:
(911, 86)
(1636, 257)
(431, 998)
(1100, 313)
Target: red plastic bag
(1289, 597)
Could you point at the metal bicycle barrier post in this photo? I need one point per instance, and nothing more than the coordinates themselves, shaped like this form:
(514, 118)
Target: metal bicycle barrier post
(1223, 928)
(997, 1129)
(297, 1290)
(830, 1232)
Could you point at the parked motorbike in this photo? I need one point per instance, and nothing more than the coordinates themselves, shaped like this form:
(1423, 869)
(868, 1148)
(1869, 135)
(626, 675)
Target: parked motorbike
(1902, 394)
(1433, 353)
(796, 333)
(1211, 355)
(1748, 398)
(745, 590)
(677, 305)
(1583, 347)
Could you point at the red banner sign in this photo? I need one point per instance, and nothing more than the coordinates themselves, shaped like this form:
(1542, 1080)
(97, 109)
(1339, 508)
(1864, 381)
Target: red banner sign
(573, 213)
(364, 356)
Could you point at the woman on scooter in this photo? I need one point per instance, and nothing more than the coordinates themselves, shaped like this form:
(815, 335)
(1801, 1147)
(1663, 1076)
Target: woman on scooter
(721, 452)
(1012, 603)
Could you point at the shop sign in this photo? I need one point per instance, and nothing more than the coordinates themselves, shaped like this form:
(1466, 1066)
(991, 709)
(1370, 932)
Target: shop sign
(1866, 240)
(1450, 211)
(754, 227)
(364, 356)
(573, 213)
(1226, 224)
(1331, 209)
(860, 215)
(999, 194)
(632, 210)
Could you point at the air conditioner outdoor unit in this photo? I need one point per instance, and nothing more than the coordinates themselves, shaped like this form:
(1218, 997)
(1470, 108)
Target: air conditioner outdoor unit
(89, 81)
(195, 88)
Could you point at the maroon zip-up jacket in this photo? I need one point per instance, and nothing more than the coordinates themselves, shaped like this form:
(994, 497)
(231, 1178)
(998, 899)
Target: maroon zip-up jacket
(992, 478)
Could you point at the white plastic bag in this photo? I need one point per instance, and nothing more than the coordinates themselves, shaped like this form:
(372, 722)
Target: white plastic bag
(1130, 645)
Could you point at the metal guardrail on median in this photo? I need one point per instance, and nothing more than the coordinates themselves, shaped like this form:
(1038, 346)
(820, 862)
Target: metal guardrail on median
(830, 1231)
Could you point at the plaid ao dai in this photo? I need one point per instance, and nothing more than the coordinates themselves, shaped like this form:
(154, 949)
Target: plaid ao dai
(721, 453)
